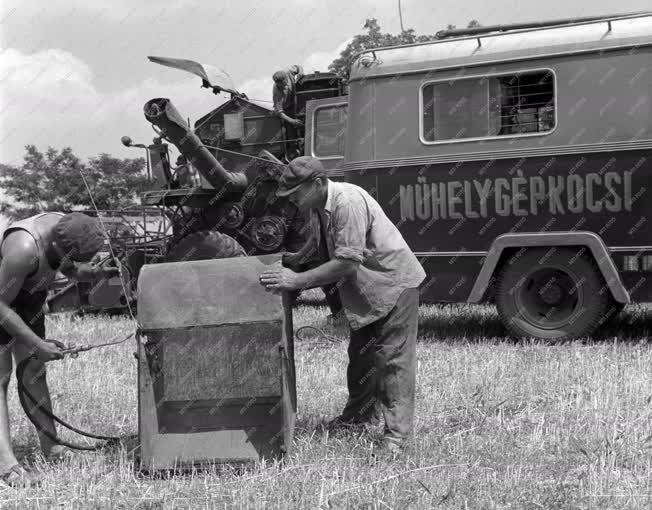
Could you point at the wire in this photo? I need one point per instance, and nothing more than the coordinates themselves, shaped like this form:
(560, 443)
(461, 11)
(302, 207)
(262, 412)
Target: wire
(246, 155)
(73, 350)
(320, 332)
(122, 283)
(23, 393)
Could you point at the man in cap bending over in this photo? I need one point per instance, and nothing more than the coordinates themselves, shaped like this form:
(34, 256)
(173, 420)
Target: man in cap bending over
(378, 278)
(31, 253)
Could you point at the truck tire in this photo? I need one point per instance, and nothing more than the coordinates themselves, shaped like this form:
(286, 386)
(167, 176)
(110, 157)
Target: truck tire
(204, 245)
(551, 293)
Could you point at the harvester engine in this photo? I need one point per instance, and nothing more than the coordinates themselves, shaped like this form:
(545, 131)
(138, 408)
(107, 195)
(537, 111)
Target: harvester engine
(232, 211)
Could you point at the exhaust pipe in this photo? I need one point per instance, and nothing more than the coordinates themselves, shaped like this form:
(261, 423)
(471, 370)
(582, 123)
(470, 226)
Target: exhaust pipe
(162, 113)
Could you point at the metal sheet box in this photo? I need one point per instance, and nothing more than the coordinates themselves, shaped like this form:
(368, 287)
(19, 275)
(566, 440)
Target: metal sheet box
(215, 364)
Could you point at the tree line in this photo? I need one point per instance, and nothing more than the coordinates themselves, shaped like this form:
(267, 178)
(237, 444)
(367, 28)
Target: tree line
(54, 181)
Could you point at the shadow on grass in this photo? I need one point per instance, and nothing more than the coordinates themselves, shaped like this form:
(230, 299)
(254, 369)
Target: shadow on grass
(454, 322)
(634, 324)
(480, 323)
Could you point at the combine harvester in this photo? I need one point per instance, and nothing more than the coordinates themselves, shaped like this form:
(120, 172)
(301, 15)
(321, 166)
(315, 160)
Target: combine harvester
(218, 199)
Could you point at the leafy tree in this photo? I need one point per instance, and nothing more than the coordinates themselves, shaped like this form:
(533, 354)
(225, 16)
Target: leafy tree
(474, 23)
(375, 38)
(52, 181)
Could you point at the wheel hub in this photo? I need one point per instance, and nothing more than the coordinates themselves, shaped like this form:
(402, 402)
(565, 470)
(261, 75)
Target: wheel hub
(268, 233)
(548, 297)
(552, 294)
(231, 215)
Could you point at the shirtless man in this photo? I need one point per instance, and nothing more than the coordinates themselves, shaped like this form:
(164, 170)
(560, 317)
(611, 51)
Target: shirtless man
(31, 253)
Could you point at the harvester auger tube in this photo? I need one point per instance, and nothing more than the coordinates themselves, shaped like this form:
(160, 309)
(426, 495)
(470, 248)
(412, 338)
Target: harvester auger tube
(162, 113)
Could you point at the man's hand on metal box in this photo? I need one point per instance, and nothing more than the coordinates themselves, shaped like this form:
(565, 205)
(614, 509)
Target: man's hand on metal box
(280, 279)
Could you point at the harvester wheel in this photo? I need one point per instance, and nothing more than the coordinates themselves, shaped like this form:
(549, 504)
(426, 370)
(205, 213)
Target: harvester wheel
(204, 245)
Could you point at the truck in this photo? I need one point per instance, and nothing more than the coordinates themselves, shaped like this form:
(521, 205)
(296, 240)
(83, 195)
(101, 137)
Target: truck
(514, 159)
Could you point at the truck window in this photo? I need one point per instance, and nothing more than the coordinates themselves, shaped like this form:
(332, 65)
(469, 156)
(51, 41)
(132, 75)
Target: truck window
(329, 131)
(488, 106)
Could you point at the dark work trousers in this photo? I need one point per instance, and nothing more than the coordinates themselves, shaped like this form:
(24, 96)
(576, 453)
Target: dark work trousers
(381, 374)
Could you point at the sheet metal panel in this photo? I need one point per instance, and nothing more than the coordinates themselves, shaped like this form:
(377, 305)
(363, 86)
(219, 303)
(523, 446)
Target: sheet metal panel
(215, 364)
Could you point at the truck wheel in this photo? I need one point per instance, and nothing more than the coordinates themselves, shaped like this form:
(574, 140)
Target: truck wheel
(551, 293)
(204, 245)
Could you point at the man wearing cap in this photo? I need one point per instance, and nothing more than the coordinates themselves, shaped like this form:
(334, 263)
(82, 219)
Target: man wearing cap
(378, 278)
(283, 95)
(31, 253)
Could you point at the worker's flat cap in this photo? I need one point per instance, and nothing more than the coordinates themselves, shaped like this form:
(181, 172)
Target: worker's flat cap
(79, 236)
(298, 171)
(282, 75)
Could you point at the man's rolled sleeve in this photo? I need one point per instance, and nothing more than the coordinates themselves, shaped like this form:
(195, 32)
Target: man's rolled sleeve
(350, 224)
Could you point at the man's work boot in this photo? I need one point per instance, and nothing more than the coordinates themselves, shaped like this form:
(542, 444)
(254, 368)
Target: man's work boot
(18, 477)
(345, 423)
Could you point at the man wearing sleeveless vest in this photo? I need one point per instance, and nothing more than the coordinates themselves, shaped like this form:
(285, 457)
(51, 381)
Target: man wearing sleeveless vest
(31, 253)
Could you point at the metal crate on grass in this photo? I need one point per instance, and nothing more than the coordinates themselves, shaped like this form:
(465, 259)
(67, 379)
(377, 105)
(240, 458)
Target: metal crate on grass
(216, 364)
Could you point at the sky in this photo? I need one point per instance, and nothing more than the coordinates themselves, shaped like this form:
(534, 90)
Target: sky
(75, 72)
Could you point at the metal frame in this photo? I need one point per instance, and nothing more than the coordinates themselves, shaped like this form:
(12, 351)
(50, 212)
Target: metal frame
(606, 19)
(146, 238)
(523, 58)
(461, 253)
(550, 240)
(476, 31)
(483, 138)
(151, 242)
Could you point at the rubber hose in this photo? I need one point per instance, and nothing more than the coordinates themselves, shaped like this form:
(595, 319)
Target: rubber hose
(23, 393)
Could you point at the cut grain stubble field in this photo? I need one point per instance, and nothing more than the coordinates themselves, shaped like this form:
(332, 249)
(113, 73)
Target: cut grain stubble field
(499, 424)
